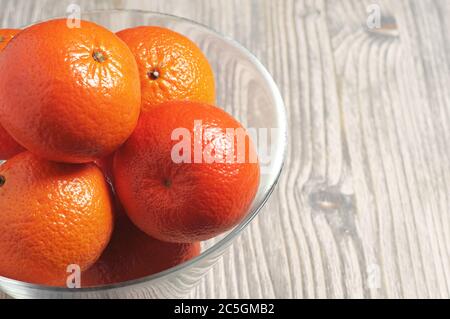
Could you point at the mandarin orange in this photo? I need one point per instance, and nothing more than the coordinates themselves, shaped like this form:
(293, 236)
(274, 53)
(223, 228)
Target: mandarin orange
(72, 94)
(186, 199)
(171, 66)
(52, 215)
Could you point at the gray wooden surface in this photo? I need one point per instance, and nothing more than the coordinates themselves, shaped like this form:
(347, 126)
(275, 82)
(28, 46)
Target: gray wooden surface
(363, 207)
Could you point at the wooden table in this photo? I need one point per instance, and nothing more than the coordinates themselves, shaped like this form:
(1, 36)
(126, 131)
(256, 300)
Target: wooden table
(363, 207)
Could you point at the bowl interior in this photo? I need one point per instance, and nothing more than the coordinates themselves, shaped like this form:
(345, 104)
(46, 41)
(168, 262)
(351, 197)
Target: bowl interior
(244, 89)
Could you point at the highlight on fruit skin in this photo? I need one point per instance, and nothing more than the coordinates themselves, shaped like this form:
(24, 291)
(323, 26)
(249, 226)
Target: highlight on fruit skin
(52, 215)
(184, 202)
(72, 94)
(131, 254)
(171, 66)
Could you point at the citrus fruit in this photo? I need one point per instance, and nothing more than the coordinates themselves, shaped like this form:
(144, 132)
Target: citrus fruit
(8, 146)
(69, 94)
(132, 254)
(171, 66)
(194, 199)
(52, 215)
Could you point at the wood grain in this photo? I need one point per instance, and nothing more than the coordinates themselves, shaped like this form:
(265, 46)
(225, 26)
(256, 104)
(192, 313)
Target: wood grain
(363, 207)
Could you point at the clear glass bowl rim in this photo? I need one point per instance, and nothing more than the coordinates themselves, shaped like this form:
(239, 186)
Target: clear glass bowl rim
(227, 240)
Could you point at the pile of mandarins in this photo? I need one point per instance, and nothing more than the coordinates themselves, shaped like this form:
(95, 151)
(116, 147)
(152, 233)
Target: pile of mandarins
(95, 175)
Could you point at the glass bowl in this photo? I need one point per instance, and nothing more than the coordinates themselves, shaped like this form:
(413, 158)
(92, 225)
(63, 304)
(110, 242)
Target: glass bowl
(244, 89)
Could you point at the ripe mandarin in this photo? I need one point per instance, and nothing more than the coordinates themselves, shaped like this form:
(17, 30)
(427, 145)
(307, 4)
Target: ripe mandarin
(171, 66)
(51, 215)
(72, 94)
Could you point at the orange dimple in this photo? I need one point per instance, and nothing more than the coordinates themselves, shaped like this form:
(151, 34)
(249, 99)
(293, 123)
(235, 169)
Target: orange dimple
(59, 100)
(8, 146)
(171, 66)
(51, 215)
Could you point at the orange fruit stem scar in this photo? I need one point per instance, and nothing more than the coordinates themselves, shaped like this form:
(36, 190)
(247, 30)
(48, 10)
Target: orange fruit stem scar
(99, 56)
(153, 74)
(167, 182)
